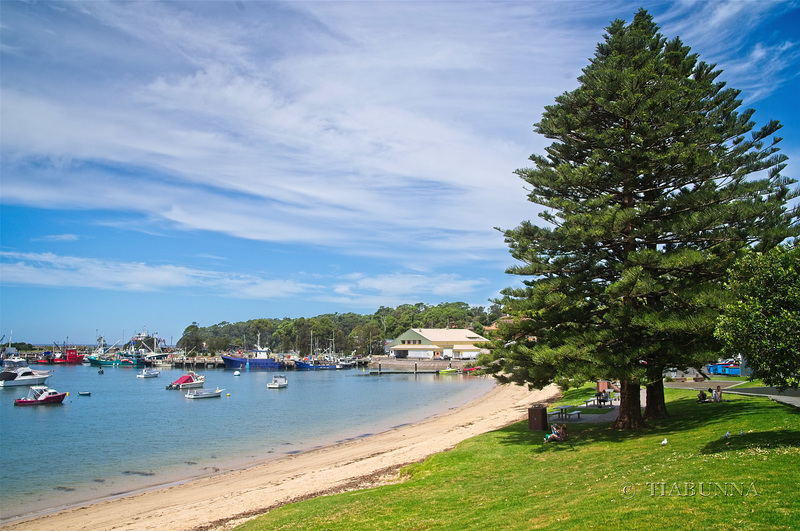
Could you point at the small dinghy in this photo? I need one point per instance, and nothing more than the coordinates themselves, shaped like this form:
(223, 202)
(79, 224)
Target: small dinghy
(204, 393)
(279, 381)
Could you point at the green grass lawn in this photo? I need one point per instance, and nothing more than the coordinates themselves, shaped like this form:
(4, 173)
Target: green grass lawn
(599, 478)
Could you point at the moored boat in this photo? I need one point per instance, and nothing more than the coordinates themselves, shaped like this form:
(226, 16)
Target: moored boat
(148, 373)
(279, 381)
(40, 395)
(17, 373)
(204, 393)
(190, 380)
(449, 370)
(253, 364)
(134, 361)
(72, 358)
(259, 359)
(313, 365)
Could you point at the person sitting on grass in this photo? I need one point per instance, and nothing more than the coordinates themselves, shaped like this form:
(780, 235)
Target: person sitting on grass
(719, 394)
(702, 397)
(559, 433)
(714, 397)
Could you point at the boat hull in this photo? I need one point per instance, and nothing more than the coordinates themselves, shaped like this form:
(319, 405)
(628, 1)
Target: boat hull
(24, 380)
(305, 366)
(253, 364)
(123, 362)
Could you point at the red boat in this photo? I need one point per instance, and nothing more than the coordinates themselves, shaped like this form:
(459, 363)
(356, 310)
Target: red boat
(39, 395)
(72, 358)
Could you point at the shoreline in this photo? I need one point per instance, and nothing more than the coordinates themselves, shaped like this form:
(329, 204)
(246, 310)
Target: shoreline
(228, 498)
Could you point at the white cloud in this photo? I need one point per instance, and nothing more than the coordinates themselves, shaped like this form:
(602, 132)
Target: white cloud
(359, 289)
(48, 269)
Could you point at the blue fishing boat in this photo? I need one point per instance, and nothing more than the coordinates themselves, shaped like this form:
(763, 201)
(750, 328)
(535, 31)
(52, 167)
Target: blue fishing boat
(259, 359)
(256, 363)
(313, 365)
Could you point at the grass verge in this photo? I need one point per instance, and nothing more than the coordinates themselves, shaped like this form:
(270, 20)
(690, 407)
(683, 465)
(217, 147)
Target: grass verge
(599, 478)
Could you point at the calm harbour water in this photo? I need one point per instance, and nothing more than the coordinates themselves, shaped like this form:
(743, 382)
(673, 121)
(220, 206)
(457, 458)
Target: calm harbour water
(132, 433)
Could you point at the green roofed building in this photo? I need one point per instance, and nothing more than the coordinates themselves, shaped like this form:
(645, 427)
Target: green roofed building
(437, 343)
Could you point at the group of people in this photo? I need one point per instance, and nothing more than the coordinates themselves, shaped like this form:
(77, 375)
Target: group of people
(716, 395)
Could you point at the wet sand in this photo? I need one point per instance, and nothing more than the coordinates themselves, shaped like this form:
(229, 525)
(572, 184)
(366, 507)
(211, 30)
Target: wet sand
(227, 499)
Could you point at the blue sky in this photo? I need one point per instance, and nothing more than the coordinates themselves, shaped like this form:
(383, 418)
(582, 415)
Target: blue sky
(171, 162)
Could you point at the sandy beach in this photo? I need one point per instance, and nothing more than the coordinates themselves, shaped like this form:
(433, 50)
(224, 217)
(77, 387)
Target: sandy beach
(227, 499)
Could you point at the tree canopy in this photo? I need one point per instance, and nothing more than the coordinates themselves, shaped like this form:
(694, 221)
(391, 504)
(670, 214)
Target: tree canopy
(347, 332)
(653, 185)
(763, 324)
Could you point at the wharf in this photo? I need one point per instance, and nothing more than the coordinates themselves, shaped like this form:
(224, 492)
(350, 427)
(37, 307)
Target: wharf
(413, 366)
(199, 362)
(385, 373)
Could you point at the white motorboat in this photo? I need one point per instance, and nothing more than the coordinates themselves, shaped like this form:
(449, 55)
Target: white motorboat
(148, 373)
(204, 393)
(279, 381)
(17, 373)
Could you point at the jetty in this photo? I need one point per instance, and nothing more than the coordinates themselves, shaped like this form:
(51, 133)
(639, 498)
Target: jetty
(389, 366)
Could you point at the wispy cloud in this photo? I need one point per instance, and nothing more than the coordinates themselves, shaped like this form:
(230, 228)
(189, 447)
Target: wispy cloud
(359, 289)
(49, 269)
(57, 238)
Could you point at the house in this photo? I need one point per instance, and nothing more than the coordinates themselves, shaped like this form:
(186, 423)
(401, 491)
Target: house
(437, 343)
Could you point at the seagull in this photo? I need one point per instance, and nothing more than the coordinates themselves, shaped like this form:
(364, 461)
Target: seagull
(664, 441)
(727, 434)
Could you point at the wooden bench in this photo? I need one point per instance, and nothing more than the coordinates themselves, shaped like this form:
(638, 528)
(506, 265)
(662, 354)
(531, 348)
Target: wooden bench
(576, 412)
(604, 403)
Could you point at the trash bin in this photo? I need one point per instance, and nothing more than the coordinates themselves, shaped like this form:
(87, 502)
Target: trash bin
(537, 418)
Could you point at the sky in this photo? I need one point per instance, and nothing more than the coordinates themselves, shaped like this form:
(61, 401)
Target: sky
(164, 163)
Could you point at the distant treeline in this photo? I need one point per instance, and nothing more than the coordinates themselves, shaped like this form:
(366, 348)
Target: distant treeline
(22, 347)
(337, 332)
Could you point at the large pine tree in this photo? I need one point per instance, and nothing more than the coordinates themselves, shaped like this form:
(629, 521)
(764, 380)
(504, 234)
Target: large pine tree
(653, 184)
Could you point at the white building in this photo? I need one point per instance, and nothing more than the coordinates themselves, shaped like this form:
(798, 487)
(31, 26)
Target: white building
(437, 343)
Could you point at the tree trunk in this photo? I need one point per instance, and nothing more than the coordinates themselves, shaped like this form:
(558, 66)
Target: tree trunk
(630, 408)
(655, 407)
